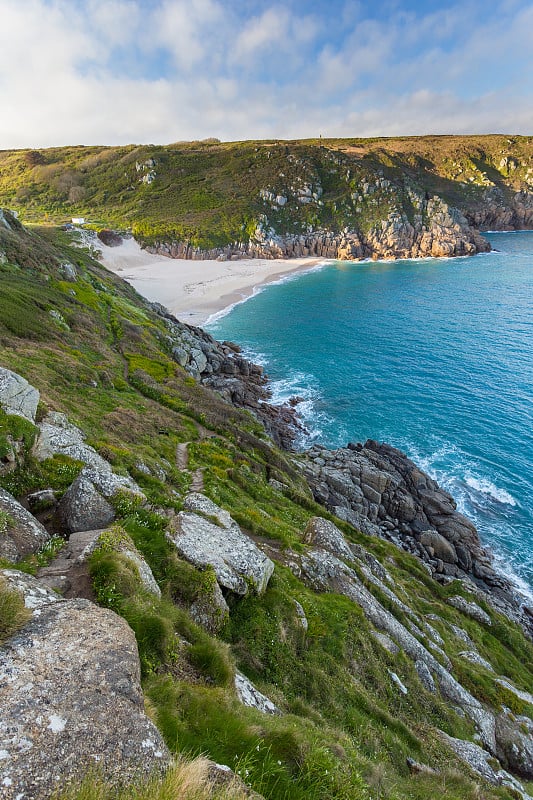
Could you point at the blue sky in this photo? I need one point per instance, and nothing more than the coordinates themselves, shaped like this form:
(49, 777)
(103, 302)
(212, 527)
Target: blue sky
(120, 71)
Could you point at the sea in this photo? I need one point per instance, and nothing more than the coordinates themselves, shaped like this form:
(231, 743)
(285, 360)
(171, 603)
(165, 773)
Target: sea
(433, 356)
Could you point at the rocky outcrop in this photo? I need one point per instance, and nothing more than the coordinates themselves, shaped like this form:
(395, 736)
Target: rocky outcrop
(481, 762)
(428, 228)
(252, 697)
(17, 396)
(500, 210)
(210, 537)
(20, 533)
(221, 367)
(515, 743)
(380, 491)
(57, 436)
(85, 505)
(71, 700)
(35, 594)
(332, 566)
(324, 572)
(110, 238)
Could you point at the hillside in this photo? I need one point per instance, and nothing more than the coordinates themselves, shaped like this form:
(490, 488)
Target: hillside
(345, 198)
(324, 623)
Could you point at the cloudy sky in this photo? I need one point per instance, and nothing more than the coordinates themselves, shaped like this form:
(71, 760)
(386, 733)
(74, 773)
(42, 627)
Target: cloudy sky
(160, 71)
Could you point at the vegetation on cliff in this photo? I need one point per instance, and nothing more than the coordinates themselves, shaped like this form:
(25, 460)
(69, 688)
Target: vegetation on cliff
(357, 720)
(210, 195)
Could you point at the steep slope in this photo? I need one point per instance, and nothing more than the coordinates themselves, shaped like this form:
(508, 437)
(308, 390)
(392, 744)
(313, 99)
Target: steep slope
(370, 677)
(346, 198)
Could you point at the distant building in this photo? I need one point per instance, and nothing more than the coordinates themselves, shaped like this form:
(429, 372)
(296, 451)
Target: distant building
(78, 220)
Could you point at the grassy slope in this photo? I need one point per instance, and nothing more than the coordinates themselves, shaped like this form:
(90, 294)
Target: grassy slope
(346, 730)
(208, 193)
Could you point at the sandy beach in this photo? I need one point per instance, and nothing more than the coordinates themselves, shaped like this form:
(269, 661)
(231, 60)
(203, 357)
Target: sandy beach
(195, 290)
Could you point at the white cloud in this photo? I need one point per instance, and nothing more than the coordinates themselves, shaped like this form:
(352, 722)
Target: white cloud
(191, 30)
(274, 74)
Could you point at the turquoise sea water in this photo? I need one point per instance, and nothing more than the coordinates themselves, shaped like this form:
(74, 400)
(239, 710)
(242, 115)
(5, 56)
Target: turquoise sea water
(432, 356)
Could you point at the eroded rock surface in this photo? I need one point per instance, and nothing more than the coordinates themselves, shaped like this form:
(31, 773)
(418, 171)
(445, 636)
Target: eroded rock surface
(20, 533)
(380, 491)
(250, 696)
(481, 762)
(238, 563)
(71, 699)
(17, 396)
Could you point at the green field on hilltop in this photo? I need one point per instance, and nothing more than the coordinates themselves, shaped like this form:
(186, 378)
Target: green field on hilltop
(211, 194)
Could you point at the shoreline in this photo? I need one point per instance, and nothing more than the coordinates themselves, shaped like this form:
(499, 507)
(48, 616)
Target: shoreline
(198, 291)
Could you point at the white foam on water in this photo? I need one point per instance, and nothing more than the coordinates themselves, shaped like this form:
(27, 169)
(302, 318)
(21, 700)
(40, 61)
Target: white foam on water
(485, 487)
(452, 469)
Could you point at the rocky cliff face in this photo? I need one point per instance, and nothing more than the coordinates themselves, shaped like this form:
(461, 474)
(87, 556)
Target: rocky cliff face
(433, 229)
(380, 491)
(348, 590)
(221, 367)
(499, 212)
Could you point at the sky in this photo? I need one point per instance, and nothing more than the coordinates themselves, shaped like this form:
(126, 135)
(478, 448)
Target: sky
(161, 71)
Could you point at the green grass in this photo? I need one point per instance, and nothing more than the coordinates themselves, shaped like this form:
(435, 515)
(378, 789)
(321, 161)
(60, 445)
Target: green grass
(13, 612)
(208, 194)
(346, 731)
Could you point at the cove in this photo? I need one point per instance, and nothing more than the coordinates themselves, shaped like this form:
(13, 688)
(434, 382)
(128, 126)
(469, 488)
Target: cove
(432, 356)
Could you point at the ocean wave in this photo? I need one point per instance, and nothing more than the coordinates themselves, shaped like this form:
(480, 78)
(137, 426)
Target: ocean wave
(309, 407)
(485, 487)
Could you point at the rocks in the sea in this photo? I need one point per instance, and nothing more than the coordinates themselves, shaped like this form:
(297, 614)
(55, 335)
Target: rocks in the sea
(221, 367)
(212, 538)
(20, 533)
(17, 396)
(71, 702)
(380, 491)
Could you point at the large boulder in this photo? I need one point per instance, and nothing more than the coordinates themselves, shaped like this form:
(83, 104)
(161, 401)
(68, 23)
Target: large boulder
(20, 533)
(17, 396)
(82, 507)
(322, 533)
(86, 503)
(71, 701)
(238, 563)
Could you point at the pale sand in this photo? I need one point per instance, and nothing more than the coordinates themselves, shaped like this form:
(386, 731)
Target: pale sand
(195, 290)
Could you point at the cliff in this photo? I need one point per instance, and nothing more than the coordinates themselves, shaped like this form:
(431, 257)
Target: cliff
(344, 198)
(173, 581)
